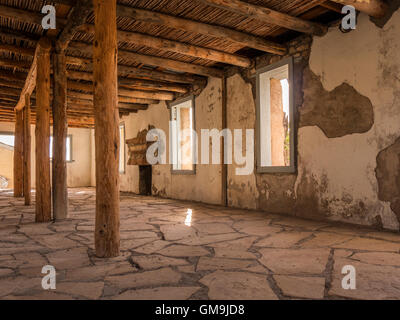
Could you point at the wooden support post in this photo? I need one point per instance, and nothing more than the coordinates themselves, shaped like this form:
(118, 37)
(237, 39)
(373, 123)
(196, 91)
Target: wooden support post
(18, 155)
(224, 167)
(107, 238)
(27, 150)
(60, 129)
(42, 132)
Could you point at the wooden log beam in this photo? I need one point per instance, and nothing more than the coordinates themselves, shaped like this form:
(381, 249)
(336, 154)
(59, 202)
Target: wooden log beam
(42, 134)
(120, 99)
(333, 6)
(18, 155)
(77, 18)
(11, 84)
(60, 129)
(19, 35)
(132, 106)
(107, 237)
(157, 95)
(27, 151)
(12, 76)
(18, 50)
(269, 16)
(10, 91)
(43, 46)
(178, 47)
(152, 85)
(140, 73)
(166, 20)
(156, 61)
(14, 64)
(26, 16)
(135, 38)
(171, 64)
(374, 8)
(241, 38)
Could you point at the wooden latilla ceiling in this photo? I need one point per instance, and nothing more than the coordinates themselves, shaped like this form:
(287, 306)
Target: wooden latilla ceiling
(166, 47)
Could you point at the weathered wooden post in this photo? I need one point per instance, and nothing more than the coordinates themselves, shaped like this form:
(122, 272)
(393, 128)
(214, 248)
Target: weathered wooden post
(27, 150)
(42, 132)
(105, 100)
(60, 129)
(18, 154)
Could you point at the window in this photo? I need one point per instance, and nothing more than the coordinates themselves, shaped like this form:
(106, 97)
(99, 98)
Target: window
(7, 139)
(183, 136)
(122, 148)
(68, 148)
(275, 122)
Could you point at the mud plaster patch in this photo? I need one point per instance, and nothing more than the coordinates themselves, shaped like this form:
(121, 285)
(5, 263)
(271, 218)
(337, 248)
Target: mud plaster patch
(388, 176)
(337, 113)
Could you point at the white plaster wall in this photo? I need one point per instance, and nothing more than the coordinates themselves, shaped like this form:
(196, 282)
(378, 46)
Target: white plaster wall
(205, 185)
(78, 171)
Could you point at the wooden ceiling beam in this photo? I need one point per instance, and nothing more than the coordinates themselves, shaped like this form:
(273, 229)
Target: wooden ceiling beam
(43, 45)
(241, 38)
(10, 63)
(244, 39)
(374, 8)
(141, 73)
(12, 76)
(333, 6)
(26, 16)
(177, 47)
(18, 50)
(82, 10)
(11, 84)
(152, 85)
(154, 61)
(269, 16)
(77, 18)
(157, 95)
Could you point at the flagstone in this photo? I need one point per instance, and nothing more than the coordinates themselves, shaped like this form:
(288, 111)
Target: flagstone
(69, 258)
(325, 239)
(301, 287)
(283, 239)
(378, 258)
(225, 254)
(162, 293)
(369, 245)
(157, 261)
(373, 282)
(238, 286)
(152, 247)
(184, 251)
(207, 263)
(145, 279)
(295, 261)
(89, 290)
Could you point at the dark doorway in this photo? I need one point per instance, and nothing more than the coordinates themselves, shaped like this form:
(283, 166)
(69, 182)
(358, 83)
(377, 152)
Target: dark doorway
(145, 180)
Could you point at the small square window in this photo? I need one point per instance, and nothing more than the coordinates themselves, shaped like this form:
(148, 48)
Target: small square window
(183, 136)
(275, 118)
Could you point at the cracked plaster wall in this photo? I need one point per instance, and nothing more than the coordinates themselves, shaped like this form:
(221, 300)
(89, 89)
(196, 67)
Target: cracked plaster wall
(348, 114)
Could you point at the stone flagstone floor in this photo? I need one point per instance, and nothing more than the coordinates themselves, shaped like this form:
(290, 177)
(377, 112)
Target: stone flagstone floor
(219, 253)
